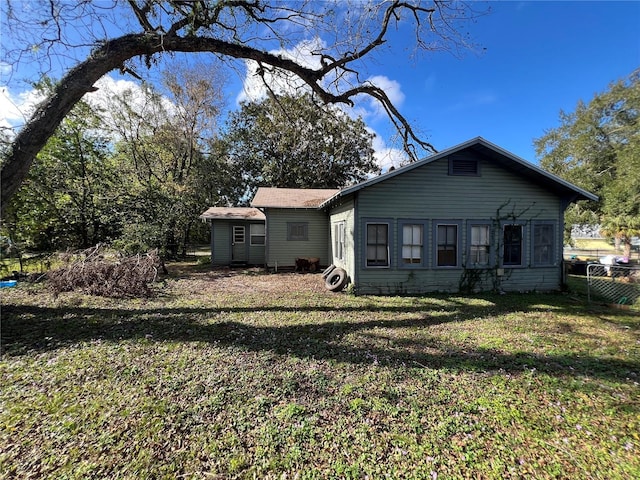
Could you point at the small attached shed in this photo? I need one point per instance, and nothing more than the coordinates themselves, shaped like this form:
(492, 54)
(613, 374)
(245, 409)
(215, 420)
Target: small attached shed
(295, 226)
(237, 235)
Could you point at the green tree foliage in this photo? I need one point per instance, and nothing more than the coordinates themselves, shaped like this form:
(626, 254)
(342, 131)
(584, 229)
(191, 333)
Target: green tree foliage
(137, 172)
(68, 198)
(164, 159)
(290, 141)
(598, 148)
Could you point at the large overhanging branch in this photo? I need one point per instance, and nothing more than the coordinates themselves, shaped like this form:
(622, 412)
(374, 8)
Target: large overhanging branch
(193, 28)
(81, 79)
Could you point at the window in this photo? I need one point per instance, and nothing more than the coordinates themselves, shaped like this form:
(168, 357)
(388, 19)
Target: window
(238, 234)
(479, 244)
(412, 241)
(468, 167)
(543, 252)
(446, 245)
(297, 231)
(257, 233)
(338, 240)
(377, 245)
(512, 245)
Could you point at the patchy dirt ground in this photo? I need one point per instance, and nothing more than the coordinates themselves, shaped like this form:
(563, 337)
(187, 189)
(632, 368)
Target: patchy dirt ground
(250, 280)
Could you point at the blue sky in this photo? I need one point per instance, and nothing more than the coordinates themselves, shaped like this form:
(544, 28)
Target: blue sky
(533, 60)
(541, 57)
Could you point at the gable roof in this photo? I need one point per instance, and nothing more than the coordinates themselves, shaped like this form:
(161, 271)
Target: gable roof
(232, 213)
(496, 155)
(292, 197)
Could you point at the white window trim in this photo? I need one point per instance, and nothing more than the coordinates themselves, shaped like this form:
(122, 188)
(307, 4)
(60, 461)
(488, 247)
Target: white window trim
(339, 241)
(492, 248)
(424, 263)
(244, 234)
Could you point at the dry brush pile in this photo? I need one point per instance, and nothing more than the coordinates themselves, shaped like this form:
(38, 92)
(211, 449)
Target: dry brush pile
(95, 271)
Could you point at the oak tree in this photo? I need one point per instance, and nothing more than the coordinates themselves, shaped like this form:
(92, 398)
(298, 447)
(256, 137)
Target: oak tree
(598, 148)
(291, 142)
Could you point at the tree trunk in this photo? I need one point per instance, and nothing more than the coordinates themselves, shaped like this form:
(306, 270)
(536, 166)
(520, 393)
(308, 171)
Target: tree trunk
(51, 112)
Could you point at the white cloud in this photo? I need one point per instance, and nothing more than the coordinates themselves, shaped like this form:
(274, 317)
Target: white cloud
(109, 87)
(474, 100)
(280, 82)
(137, 100)
(391, 87)
(16, 108)
(5, 69)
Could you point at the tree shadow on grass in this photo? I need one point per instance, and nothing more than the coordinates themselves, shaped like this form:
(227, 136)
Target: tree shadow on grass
(27, 329)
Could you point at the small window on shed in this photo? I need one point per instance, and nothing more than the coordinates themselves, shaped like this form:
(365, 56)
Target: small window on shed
(468, 167)
(297, 231)
(257, 233)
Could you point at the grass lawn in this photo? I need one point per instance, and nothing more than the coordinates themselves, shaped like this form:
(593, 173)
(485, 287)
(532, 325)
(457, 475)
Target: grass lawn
(244, 375)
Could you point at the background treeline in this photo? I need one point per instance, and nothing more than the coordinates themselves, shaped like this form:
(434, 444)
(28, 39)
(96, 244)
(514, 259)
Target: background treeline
(136, 168)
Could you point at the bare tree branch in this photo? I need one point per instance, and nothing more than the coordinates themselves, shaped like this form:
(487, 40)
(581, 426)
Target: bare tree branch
(235, 29)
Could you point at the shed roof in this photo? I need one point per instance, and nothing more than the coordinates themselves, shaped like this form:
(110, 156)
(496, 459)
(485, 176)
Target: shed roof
(497, 155)
(292, 197)
(232, 213)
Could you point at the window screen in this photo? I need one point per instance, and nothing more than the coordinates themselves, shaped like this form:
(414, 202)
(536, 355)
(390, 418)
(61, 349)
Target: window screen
(447, 245)
(377, 245)
(512, 249)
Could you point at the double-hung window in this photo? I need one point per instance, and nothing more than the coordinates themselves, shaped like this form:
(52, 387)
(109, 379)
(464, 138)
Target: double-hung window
(257, 234)
(543, 241)
(297, 231)
(377, 245)
(446, 244)
(479, 241)
(512, 245)
(339, 240)
(412, 243)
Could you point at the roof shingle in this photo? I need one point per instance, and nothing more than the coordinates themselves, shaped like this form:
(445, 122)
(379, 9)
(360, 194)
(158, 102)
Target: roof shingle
(292, 197)
(232, 213)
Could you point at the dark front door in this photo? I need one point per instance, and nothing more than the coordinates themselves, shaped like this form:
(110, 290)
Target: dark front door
(238, 244)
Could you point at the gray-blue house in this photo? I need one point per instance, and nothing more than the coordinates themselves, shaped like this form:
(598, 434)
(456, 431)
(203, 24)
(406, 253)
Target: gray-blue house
(470, 218)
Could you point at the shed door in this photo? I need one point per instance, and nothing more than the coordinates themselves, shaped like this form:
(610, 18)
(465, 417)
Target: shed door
(238, 244)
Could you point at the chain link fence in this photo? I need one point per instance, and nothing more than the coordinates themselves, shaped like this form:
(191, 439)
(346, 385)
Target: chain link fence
(615, 284)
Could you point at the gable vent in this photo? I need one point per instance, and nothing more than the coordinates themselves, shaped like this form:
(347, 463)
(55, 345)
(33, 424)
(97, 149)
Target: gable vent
(463, 166)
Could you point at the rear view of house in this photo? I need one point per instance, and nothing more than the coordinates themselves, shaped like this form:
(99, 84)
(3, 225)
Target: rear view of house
(471, 218)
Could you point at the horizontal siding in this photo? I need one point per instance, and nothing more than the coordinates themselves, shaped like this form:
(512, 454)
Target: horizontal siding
(281, 252)
(429, 193)
(395, 281)
(221, 245)
(345, 212)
